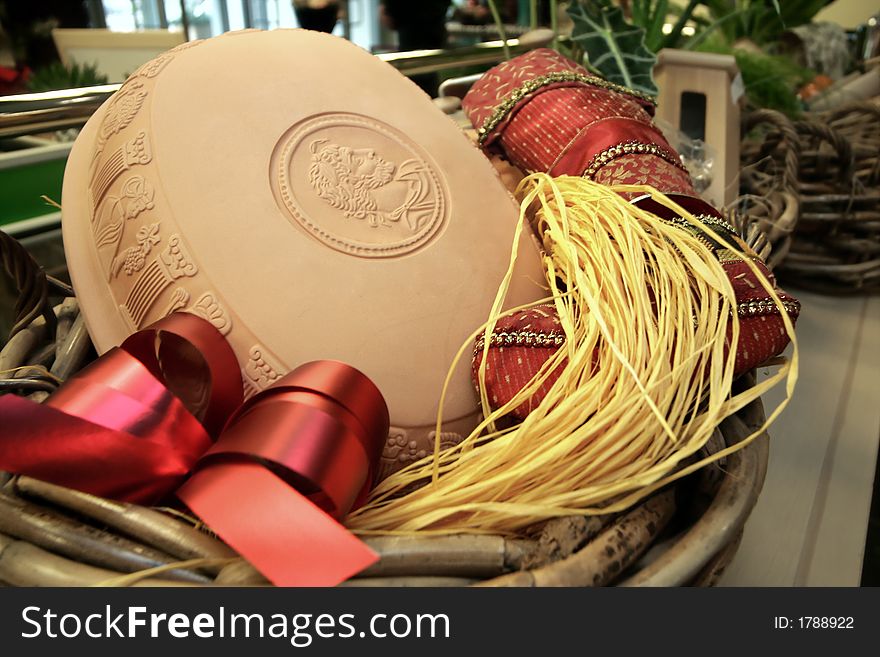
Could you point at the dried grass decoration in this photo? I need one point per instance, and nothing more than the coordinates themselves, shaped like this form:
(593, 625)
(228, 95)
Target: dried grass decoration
(645, 383)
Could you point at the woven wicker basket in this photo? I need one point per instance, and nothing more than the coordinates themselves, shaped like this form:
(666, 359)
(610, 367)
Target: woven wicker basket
(52, 536)
(815, 184)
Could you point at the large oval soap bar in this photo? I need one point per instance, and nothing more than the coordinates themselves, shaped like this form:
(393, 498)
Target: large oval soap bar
(311, 203)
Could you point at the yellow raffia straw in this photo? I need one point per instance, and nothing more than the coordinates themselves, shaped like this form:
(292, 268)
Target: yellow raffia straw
(646, 312)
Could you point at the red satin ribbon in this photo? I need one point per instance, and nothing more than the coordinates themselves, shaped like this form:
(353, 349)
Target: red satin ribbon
(290, 460)
(340, 422)
(115, 429)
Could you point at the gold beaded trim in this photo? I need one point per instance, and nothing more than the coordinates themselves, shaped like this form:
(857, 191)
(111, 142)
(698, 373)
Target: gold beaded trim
(521, 338)
(767, 306)
(531, 86)
(752, 308)
(707, 219)
(611, 153)
(726, 256)
(695, 230)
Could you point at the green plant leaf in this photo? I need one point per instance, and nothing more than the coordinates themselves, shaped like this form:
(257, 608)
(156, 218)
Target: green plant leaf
(703, 34)
(770, 81)
(613, 47)
(654, 27)
(640, 10)
(58, 76)
(798, 12)
(499, 25)
(673, 39)
(762, 21)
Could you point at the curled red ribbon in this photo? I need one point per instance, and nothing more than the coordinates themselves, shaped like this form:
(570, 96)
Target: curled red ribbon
(143, 418)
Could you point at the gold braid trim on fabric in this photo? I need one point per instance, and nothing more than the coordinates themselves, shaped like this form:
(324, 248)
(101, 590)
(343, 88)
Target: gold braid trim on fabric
(531, 86)
(708, 220)
(766, 306)
(512, 338)
(726, 256)
(606, 156)
(539, 339)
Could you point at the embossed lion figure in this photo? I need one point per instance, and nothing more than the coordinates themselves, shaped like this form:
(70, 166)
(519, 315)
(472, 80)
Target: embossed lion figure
(346, 177)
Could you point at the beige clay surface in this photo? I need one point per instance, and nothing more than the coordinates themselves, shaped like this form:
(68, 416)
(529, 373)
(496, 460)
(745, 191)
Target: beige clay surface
(311, 203)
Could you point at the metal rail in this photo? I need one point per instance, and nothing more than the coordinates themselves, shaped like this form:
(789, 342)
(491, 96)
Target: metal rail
(28, 114)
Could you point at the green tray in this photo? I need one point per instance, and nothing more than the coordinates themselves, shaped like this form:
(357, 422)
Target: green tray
(33, 169)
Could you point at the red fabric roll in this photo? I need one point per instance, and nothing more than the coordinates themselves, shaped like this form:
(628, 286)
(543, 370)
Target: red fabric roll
(546, 113)
(513, 359)
(558, 127)
(510, 366)
(762, 336)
